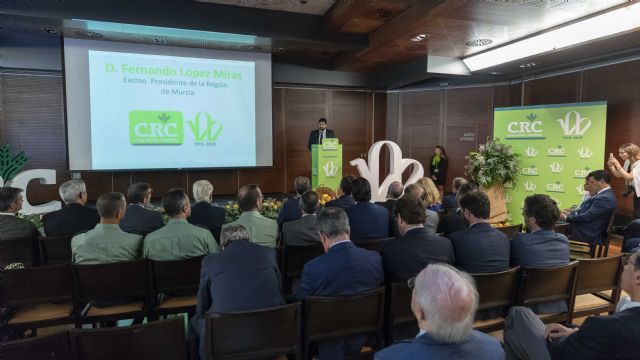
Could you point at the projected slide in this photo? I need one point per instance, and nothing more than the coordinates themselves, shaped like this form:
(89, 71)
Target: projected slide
(156, 111)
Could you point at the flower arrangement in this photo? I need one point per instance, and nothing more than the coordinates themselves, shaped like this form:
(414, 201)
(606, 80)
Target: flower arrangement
(494, 163)
(326, 194)
(270, 209)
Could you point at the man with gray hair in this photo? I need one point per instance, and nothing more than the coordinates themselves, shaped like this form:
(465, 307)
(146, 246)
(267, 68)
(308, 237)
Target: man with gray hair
(244, 276)
(444, 302)
(449, 202)
(74, 217)
(343, 270)
(178, 239)
(204, 213)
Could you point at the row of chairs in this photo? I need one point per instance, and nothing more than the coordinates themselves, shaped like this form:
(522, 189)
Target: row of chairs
(45, 250)
(61, 294)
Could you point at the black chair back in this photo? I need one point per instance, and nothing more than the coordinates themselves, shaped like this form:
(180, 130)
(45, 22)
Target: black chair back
(372, 244)
(398, 304)
(47, 347)
(55, 250)
(36, 285)
(294, 259)
(163, 339)
(18, 250)
(510, 230)
(111, 281)
(255, 334)
(176, 276)
(497, 290)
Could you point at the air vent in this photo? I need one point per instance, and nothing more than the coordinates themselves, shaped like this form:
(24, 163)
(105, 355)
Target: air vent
(479, 42)
(89, 34)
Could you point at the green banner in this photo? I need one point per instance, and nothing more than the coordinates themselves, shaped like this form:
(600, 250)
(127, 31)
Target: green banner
(559, 145)
(326, 164)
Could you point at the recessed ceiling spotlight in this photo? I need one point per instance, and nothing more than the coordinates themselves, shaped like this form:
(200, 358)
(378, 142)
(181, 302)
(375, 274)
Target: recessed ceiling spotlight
(419, 37)
(51, 31)
(528, 65)
(89, 34)
(478, 42)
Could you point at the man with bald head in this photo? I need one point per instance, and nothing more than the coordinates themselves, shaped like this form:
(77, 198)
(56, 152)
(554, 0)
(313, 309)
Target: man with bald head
(444, 302)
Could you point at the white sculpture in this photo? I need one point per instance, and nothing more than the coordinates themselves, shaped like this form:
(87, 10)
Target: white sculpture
(397, 165)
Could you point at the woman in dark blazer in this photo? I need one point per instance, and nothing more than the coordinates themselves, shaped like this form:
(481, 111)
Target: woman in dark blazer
(438, 168)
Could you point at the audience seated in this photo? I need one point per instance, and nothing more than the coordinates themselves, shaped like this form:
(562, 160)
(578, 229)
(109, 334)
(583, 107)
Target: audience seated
(394, 192)
(366, 220)
(343, 270)
(405, 256)
(431, 194)
(11, 226)
(138, 219)
(454, 221)
(204, 213)
(244, 276)
(107, 243)
(449, 202)
(290, 210)
(178, 239)
(345, 200)
(303, 231)
(262, 230)
(541, 247)
(444, 302)
(432, 218)
(599, 337)
(589, 221)
(74, 217)
(480, 248)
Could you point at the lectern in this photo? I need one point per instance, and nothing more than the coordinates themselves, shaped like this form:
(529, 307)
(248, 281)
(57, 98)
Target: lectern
(326, 164)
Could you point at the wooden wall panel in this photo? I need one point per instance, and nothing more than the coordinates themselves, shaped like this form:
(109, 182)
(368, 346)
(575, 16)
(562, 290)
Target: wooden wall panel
(352, 123)
(380, 130)
(554, 90)
(420, 108)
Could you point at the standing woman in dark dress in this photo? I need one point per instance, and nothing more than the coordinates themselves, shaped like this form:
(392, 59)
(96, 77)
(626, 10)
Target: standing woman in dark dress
(438, 168)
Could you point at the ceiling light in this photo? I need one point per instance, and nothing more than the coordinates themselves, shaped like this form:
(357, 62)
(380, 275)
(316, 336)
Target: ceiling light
(419, 37)
(613, 22)
(528, 65)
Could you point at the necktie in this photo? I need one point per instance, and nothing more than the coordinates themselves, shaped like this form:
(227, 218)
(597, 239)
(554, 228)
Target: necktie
(321, 137)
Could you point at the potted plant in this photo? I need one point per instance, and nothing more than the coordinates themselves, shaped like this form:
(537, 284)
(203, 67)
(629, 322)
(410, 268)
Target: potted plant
(493, 166)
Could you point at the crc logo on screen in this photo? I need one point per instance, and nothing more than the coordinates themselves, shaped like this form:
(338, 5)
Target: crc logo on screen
(581, 173)
(531, 128)
(555, 187)
(529, 171)
(576, 125)
(204, 128)
(150, 127)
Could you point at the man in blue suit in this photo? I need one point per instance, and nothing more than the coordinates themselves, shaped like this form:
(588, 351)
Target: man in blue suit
(444, 302)
(589, 222)
(345, 200)
(366, 220)
(138, 219)
(244, 276)
(480, 248)
(343, 270)
(542, 247)
(290, 210)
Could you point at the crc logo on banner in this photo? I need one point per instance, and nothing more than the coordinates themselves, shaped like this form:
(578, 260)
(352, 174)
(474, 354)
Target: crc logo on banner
(508, 198)
(555, 187)
(574, 125)
(556, 167)
(558, 151)
(580, 189)
(529, 186)
(330, 169)
(581, 173)
(529, 129)
(531, 152)
(558, 202)
(585, 152)
(530, 171)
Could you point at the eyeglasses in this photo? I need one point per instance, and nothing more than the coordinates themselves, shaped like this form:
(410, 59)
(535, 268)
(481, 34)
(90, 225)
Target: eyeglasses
(411, 283)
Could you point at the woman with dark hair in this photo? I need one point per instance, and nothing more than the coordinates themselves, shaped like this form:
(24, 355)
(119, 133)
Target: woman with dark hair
(438, 168)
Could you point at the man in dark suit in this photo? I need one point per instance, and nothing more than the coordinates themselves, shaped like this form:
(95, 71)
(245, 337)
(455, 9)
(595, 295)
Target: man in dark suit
(541, 247)
(393, 193)
(480, 248)
(74, 217)
(600, 337)
(432, 218)
(316, 136)
(304, 231)
(290, 210)
(444, 301)
(11, 226)
(590, 221)
(405, 256)
(345, 200)
(343, 270)
(138, 219)
(366, 220)
(449, 202)
(244, 276)
(453, 222)
(204, 213)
